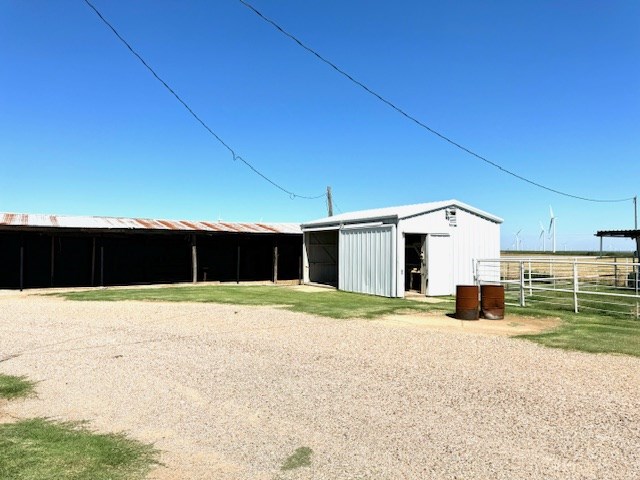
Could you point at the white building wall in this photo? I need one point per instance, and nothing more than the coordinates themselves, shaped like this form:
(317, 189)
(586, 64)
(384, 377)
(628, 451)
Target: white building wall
(473, 237)
(476, 237)
(363, 265)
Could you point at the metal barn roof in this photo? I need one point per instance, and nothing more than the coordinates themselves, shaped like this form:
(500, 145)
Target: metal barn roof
(399, 213)
(37, 221)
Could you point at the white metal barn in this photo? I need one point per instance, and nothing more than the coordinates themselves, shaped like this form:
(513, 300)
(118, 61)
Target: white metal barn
(427, 248)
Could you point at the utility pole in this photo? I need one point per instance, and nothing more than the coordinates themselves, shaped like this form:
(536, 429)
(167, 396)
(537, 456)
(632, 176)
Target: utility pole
(329, 202)
(635, 211)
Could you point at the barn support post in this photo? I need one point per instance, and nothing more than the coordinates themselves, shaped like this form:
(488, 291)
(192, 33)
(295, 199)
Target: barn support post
(275, 263)
(21, 262)
(300, 270)
(53, 257)
(238, 264)
(102, 262)
(600, 246)
(194, 259)
(93, 262)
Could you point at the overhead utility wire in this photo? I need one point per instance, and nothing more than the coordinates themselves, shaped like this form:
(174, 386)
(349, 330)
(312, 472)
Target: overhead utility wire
(414, 119)
(190, 110)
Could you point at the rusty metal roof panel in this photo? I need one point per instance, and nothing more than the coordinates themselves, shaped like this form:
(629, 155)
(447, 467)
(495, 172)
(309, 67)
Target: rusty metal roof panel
(24, 220)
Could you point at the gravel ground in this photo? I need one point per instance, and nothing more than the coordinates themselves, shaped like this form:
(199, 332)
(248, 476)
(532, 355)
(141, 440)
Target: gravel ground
(229, 392)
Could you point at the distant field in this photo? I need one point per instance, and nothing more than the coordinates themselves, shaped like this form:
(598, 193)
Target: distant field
(571, 253)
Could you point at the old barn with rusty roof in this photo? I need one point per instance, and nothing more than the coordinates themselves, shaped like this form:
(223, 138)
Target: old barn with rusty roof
(68, 251)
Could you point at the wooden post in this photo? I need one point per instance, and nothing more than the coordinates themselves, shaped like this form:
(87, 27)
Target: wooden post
(53, 256)
(275, 263)
(102, 263)
(194, 259)
(238, 265)
(93, 262)
(21, 263)
(300, 270)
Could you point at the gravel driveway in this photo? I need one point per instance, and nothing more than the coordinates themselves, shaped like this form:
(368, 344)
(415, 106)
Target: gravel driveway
(230, 392)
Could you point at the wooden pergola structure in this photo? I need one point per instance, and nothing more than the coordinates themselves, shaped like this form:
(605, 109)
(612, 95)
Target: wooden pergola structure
(633, 234)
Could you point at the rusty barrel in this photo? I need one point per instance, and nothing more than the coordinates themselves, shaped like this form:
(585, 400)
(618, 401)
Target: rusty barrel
(492, 301)
(467, 302)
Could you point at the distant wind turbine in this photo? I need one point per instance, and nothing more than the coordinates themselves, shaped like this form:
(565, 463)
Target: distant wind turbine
(517, 242)
(552, 228)
(542, 232)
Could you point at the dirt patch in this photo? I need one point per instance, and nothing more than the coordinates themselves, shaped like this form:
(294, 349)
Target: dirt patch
(509, 326)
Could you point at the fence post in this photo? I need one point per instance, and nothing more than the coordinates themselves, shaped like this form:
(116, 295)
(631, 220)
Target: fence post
(476, 279)
(575, 286)
(522, 303)
(530, 289)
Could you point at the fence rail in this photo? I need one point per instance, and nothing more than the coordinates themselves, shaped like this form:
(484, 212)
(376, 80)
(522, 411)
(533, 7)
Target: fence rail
(607, 287)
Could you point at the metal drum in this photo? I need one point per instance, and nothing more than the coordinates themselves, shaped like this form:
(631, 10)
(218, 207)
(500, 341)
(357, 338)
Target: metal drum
(467, 302)
(492, 301)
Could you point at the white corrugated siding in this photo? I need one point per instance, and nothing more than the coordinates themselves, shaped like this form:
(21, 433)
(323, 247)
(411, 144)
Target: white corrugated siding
(473, 237)
(367, 260)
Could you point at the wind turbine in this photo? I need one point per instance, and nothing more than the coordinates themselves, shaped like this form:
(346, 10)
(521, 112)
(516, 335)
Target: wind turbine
(552, 228)
(517, 240)
(542, 232)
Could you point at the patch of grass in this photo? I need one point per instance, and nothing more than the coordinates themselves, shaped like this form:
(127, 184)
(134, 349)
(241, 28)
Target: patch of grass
(14, 387)
(300, 458)
(585, 332)
(39, 449)
(330, 303)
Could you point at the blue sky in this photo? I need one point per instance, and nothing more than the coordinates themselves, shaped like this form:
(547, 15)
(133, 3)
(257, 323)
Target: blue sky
(550, 90)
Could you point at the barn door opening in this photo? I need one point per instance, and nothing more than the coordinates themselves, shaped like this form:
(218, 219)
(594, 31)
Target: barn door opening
(322, 254)
(415, 263)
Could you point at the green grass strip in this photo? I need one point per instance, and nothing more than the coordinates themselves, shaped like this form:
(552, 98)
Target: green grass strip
(329, 303)
(586, 331)
(39, 449)
(14, 387)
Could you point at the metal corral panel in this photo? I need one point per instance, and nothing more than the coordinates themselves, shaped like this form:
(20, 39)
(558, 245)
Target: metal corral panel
(367, 260)
(24, 220)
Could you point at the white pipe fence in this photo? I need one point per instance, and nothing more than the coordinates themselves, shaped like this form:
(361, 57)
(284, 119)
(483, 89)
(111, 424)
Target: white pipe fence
(592, 285)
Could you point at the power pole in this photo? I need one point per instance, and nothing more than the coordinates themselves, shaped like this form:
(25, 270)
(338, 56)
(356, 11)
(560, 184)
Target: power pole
(329, 202)
(635, 211)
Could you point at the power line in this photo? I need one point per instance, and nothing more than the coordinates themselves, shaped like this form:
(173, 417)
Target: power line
(190, 110)
(414, 119)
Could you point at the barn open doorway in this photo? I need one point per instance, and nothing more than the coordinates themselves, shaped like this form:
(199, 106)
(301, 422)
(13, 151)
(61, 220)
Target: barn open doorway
(415, 263)
(322, 256)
